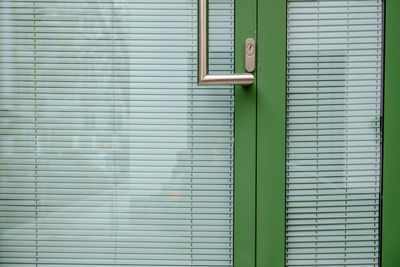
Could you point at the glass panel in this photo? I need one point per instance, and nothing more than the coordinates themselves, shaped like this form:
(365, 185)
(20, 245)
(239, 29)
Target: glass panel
(110, 154)
(333, 162)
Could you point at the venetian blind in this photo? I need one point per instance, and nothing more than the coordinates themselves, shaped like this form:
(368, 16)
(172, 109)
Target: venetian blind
(110, 155)
(334, 89)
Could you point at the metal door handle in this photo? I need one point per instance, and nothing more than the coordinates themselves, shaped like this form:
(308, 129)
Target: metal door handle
(204, 78)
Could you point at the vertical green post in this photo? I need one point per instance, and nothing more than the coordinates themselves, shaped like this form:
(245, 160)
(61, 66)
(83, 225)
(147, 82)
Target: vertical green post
(271, 98)
(245, 142)
(391, 150)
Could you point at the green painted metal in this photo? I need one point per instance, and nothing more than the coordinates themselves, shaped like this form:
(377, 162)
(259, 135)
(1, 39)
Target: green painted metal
(271, 98)
(245, 142)
(391, 150)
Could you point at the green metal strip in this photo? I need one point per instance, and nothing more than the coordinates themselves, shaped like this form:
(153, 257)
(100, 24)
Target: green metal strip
(245, 142)
(391, 150)
(271, 98)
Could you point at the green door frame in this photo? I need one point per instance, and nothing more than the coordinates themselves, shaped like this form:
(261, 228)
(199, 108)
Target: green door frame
(245, 142)
(271, 109)
(259, 215)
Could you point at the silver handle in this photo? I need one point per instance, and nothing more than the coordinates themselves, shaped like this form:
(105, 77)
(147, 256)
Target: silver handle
(203, 77)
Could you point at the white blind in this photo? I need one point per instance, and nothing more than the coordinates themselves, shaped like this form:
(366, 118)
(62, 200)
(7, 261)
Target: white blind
(334, 89)
(110, 155)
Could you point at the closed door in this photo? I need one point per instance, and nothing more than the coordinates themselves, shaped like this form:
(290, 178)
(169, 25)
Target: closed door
(136, 133)
(326, 126)
(111, 154)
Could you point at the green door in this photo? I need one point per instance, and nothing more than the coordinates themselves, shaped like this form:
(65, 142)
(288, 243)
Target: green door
(326, 133)
(110, 153)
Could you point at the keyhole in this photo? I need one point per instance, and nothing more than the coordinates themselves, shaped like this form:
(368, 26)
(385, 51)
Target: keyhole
(250, 49)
